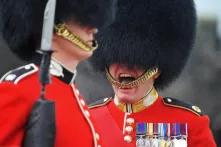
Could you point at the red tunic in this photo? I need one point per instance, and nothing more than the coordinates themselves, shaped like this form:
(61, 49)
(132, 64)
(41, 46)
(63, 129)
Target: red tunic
(114, 122)
(73, 122)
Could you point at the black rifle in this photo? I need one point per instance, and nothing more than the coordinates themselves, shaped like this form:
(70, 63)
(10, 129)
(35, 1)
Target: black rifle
(40, 130)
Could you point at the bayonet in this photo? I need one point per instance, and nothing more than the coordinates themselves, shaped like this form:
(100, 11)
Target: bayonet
(48, 25)
(40, 130)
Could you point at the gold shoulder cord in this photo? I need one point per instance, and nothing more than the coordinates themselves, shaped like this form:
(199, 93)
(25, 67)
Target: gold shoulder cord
(62, 30)
(140, 80)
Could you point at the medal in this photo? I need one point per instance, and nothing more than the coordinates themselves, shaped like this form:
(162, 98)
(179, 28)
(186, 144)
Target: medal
(163, 134)
(179, 133)
(183, 130)
(141, 129)
(140, 142)
(147, 142)
(150, 129)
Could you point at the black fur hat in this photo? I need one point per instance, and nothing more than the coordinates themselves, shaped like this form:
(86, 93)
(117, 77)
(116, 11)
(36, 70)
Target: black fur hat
(149, 33)
(21, 20)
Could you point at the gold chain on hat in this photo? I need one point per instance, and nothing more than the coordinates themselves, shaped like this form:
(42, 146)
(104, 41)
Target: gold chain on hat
(62, 30)
(140, 80)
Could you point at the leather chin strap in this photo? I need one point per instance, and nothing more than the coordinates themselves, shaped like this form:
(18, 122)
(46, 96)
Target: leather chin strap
(135, 83)
(63, 31)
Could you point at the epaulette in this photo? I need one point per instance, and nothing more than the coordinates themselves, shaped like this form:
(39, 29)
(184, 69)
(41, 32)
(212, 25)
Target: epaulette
(100, 102)
(180, 104)
(19, 73)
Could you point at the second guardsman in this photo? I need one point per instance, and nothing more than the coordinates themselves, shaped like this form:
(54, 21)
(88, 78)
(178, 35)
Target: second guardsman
(143, 51)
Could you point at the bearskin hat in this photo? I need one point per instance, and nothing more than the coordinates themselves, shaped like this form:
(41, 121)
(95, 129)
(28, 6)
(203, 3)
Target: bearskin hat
(147, 34)
(21, 21)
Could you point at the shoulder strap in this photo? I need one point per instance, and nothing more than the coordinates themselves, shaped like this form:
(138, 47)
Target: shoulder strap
(180, 104)
(20, 73)
(99, 103)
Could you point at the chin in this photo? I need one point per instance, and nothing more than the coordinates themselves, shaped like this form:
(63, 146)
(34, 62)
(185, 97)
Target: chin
(126, 99)
(85, 55)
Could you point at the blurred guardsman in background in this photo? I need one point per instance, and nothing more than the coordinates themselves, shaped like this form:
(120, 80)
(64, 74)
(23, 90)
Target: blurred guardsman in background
(76, 23)
(143, 51)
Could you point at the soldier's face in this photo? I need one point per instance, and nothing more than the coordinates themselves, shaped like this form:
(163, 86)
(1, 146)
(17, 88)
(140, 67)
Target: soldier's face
(68, 50)
(86, 33)
(129, 95)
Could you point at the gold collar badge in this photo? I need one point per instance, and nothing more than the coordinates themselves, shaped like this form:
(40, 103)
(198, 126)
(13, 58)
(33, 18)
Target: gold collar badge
(143, 103)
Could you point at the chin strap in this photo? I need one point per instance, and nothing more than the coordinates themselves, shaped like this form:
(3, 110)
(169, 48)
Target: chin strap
(63, 31)
(140, 80)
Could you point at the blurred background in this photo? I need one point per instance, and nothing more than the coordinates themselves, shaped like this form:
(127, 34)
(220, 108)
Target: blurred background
(199, 83)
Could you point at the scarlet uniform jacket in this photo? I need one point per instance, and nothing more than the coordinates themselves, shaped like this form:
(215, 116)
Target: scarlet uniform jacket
(115, 123)
(19, 90)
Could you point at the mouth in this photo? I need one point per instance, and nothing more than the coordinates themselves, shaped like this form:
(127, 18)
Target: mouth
(125, 78)
(92, 43)
(128, 81)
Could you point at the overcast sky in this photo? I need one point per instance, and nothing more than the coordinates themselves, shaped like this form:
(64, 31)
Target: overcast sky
(211, 7)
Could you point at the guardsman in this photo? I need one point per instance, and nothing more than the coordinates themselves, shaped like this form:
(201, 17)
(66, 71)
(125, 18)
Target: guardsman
(143, 51)
(76, 23)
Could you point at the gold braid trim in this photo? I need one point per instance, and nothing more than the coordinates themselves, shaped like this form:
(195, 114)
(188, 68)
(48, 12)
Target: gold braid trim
(140, 80)
(62, 30)
(140, 105)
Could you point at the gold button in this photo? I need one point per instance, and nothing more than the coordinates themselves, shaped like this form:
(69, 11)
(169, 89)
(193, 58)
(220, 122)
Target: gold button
(27, 67)
(128, 139)
(77, 92)
(130, 121)
(169, 100)
(87, 113)
(129, 129)
(197, 109)
(82, 102)
(97, 136)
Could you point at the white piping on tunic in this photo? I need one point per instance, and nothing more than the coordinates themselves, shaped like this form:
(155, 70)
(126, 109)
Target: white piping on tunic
(125, 121)
(85, 115)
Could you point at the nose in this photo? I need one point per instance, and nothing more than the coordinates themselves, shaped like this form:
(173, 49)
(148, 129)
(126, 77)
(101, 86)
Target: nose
(119, 68)
(91, 30)
(125, 68)
(95, 31)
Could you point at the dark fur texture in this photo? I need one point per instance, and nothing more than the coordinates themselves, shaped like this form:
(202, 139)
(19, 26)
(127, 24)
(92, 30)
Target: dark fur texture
(21, 20)
(149, 33)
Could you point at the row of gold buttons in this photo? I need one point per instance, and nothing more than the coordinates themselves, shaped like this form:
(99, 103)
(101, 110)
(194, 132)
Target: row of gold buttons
(85, 110)
(128, 128)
